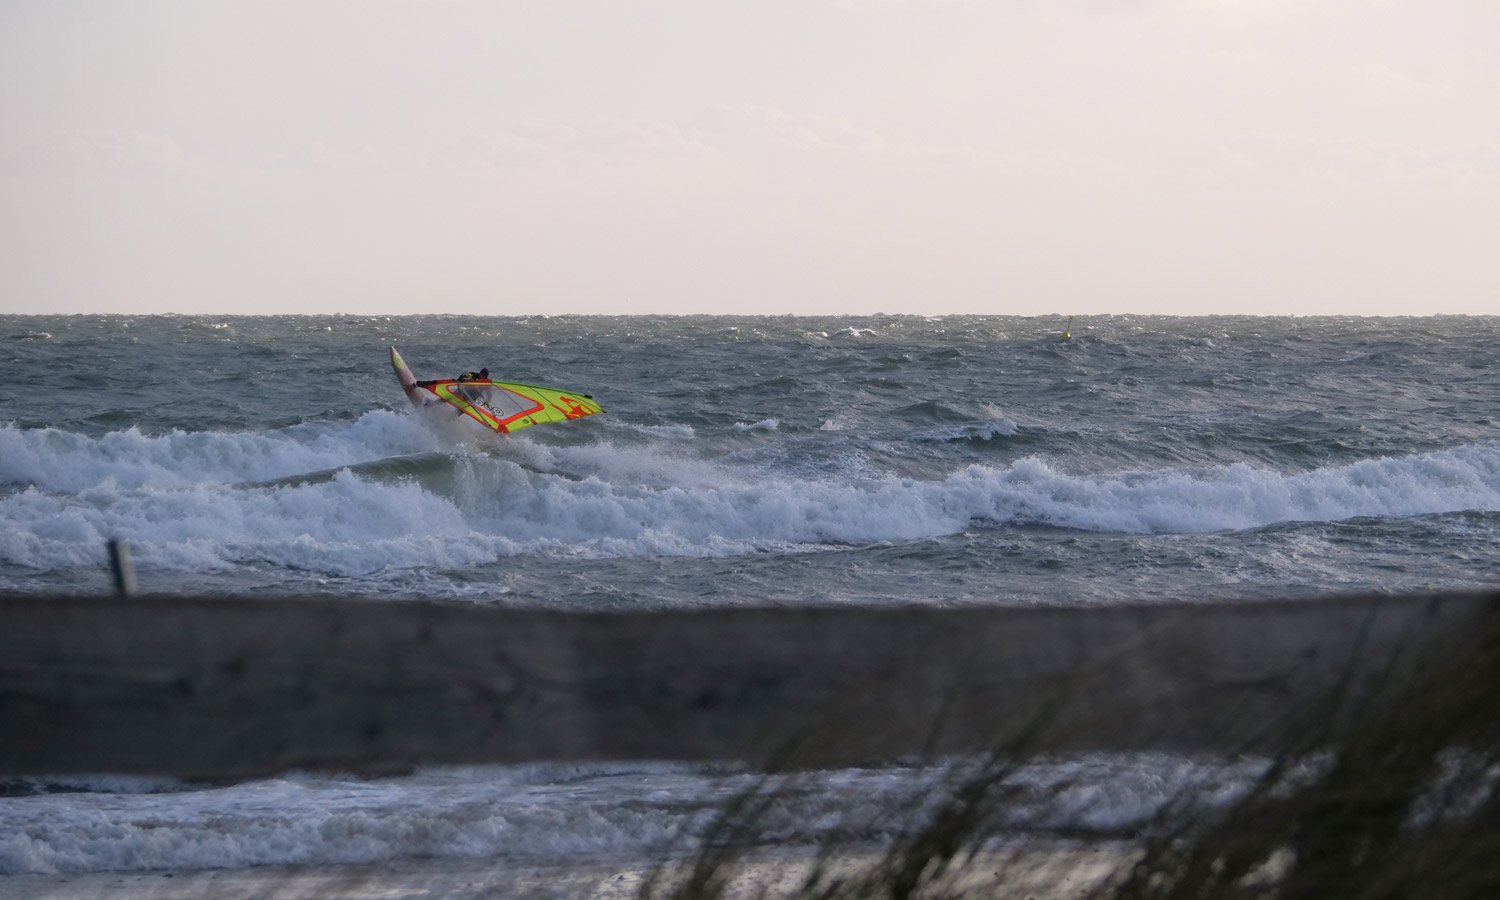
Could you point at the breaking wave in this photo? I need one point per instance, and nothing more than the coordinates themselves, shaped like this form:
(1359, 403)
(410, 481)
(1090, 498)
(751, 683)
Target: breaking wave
(212, 501)
(56, 460)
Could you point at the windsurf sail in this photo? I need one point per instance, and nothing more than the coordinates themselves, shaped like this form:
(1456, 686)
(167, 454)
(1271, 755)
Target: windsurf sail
(501, 406)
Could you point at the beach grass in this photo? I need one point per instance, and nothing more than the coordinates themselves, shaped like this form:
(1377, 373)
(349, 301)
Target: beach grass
(1402, 802)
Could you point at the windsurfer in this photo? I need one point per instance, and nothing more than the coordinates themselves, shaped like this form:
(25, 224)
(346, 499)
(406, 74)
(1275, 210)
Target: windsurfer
(473, 394)
(501, 407)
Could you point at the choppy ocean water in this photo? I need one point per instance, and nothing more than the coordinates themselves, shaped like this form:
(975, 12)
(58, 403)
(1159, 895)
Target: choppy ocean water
(877, 460)
(759, 460)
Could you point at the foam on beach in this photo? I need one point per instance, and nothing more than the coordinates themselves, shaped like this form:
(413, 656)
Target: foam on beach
(560, 812)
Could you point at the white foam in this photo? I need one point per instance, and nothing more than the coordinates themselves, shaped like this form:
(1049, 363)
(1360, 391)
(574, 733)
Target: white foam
(346, 526)
(58, 460)
(671, 432)
(562, 812)
(169, 498)
(762, 425)
(981, 431)
(660, 466)
(304, 819)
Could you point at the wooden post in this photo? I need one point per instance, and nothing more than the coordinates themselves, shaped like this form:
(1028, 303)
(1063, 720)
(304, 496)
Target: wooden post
(120, 567)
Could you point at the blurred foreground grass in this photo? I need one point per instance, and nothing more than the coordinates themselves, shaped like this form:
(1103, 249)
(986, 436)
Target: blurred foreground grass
(1402, 803)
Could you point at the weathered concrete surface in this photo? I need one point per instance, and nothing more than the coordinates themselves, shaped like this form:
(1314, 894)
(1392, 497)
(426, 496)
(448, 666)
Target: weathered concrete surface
(221, 687)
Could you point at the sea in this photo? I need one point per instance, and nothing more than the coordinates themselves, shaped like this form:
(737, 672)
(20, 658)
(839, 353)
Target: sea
(741, 461)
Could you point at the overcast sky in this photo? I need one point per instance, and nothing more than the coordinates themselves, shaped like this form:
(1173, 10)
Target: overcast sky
(806, 156)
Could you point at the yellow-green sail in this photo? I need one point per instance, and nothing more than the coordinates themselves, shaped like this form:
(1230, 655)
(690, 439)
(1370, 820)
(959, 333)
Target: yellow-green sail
(501, 406)
(505, 406)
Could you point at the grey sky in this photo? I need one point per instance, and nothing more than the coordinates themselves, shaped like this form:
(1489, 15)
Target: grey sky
(822, 156)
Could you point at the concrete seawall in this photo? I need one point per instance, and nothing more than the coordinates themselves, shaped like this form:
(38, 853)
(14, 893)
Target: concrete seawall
(231, 687)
